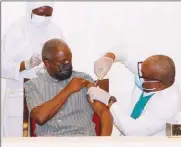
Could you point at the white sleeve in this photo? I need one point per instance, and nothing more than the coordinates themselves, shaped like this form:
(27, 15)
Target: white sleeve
(148, 124)
(10, 68)
(127, 56)
(28, 74)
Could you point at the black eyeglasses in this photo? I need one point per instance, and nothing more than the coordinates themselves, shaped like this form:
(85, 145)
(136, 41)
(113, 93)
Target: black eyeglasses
(143, 77)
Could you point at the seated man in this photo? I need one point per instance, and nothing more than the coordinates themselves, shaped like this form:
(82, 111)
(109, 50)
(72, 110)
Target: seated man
(58, 100)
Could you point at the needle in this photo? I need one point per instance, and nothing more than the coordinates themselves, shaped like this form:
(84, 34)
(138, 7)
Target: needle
(99, 78)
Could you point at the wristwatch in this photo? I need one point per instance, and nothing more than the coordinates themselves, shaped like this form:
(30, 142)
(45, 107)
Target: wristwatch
(111, 101)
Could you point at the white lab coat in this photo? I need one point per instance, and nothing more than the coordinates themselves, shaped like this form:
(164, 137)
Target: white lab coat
(161, 108)
(19, 43)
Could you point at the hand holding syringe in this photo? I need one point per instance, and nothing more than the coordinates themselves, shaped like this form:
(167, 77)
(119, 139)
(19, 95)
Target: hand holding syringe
(100, 77)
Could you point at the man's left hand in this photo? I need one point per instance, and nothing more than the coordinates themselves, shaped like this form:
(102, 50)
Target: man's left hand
(91, 84)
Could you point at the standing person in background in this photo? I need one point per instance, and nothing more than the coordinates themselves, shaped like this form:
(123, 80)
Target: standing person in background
(21, 59)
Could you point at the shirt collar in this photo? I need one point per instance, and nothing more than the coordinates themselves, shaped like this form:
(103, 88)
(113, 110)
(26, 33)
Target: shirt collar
(50, 78)
(148, 93)
(57, 81)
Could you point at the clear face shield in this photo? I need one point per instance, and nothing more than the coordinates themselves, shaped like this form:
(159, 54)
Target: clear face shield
(42, 18)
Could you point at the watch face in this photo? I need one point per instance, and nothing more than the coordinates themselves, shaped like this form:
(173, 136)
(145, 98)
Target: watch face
(112, 99)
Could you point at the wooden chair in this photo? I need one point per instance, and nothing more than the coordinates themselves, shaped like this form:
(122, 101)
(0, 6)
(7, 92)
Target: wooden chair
(29, 123)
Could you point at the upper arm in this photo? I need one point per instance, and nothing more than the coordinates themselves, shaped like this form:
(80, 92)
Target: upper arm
(126, 54)
(106, 119)
(10, 67)
(11, 37)
(33, 96)
(97, 106)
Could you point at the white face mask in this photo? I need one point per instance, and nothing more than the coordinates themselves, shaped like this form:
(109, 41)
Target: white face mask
(40, 20)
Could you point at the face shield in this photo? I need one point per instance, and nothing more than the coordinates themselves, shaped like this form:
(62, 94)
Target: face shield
(37, 20)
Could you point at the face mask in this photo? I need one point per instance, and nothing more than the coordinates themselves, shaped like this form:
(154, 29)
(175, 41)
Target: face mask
(139, 83)
(65, 72)
(40, 20)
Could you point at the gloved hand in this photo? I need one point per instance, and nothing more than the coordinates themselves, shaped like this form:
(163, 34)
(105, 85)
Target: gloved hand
(102, 66)
(35, 60)
(99, 94)
(40, 69)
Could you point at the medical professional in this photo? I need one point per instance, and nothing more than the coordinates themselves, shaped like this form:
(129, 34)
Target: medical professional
(155, 98)
(21, 59)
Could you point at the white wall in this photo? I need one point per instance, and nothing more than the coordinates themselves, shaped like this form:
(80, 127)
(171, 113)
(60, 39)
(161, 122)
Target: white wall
(92, 27)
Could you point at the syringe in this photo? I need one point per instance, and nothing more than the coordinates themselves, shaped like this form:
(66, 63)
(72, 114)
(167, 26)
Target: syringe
(99, 78)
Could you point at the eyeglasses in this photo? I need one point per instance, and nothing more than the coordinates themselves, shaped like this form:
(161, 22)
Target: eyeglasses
(139, 65)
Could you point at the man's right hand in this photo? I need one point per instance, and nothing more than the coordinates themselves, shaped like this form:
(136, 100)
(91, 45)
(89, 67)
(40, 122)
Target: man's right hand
(76, 84)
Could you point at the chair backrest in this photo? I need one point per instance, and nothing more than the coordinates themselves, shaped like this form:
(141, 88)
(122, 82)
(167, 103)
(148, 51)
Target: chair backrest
(29, 124)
